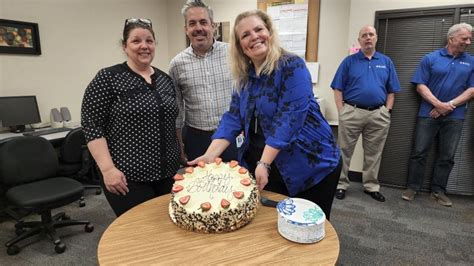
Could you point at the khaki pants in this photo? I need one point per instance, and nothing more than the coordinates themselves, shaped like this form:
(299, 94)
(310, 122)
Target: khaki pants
(374, 126)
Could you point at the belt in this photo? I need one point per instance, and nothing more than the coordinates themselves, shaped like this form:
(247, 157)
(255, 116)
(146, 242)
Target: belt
(369, 108)
(200, 131)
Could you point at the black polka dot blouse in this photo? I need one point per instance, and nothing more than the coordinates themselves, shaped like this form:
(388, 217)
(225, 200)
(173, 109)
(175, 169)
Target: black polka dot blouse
(136, 118)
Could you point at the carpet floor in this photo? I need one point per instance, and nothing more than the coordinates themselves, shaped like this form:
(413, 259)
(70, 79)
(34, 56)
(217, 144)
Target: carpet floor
(395, 232)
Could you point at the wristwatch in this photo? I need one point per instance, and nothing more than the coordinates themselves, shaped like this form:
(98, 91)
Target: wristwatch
(452, 103)
(389, 110)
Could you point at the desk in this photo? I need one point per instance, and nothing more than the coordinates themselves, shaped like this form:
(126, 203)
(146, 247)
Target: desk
(55, 138)
(145, 235)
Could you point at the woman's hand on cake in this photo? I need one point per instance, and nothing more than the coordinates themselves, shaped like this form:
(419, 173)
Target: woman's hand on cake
(115, 181)
(204, 158)
(215, 149)
(261, 176)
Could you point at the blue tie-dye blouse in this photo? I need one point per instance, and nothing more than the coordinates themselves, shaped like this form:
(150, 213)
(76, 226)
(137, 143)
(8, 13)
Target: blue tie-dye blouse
(291, 121)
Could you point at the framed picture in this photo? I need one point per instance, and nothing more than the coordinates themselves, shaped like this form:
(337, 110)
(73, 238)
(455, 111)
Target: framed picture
(222, 31)
(18, 37)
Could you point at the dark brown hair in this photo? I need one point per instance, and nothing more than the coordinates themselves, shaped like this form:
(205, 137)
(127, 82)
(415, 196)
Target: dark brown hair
(131, 26)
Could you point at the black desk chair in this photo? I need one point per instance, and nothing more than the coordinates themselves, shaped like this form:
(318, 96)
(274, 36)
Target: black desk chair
(5, 212)
(28, 167)
(76, 162)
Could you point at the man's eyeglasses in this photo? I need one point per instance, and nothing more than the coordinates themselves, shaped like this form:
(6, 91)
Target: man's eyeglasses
(143, 21)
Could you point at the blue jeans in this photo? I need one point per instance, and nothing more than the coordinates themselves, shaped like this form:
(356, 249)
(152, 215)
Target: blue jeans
(449, 132)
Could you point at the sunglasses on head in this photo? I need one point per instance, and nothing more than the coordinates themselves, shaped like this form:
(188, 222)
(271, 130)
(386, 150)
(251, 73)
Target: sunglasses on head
(143, 21)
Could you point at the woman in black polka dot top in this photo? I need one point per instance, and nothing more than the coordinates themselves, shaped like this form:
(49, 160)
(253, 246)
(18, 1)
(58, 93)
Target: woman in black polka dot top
(128, 116)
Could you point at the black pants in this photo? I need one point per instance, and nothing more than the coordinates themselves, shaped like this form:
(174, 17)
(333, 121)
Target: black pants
(197, 141)
(321, 194)
(138, 192)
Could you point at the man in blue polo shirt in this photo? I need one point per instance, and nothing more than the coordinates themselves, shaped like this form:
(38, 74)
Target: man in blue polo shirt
(444, 79)
(364, 87)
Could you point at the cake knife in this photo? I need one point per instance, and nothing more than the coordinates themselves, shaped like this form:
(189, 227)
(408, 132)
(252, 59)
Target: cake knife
(268, 202)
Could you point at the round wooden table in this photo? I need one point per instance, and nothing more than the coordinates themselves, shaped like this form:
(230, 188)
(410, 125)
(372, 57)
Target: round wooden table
(146, 235)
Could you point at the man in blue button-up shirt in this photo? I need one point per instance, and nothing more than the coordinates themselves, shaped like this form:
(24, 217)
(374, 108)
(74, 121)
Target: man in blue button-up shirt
(444, 79)
(364, 87)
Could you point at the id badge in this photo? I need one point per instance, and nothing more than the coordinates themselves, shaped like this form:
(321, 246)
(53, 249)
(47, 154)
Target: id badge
(239, 140)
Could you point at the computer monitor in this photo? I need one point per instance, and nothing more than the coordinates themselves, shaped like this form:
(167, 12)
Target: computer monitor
(18, 111)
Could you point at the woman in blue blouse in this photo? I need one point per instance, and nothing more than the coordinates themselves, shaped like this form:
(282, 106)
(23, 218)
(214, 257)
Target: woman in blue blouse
(288, 144)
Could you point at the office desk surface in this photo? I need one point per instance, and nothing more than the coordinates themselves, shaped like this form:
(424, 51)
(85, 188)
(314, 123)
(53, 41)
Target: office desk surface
(54, 138)
(146, 235)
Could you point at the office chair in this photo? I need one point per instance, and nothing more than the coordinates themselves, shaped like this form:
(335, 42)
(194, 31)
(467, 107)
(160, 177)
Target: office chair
(5, 212)
(75, 161)
(28, 167)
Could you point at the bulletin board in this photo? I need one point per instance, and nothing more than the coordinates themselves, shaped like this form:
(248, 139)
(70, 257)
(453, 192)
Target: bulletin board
(312, 32)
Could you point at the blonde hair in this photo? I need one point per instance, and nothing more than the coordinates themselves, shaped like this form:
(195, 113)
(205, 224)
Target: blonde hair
(240, 63)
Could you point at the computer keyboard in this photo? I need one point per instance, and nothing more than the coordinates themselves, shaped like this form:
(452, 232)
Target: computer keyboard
(46, 131)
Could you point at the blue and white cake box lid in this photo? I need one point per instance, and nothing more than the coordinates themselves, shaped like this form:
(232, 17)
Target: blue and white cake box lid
(300, 220)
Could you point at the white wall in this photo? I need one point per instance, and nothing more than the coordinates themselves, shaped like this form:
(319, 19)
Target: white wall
(176, 34)
(225, 10)
(333, 32)
(77, 39)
